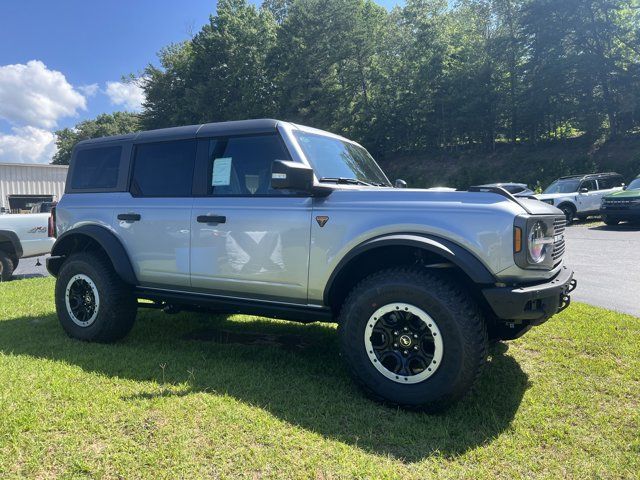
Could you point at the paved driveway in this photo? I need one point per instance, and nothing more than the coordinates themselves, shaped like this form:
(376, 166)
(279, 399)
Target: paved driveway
(606, 261)
(27, 268)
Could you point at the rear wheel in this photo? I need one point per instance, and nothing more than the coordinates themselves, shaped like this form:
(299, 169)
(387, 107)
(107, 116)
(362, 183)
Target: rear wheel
(412, 338)
(6, 266)
(92, 303)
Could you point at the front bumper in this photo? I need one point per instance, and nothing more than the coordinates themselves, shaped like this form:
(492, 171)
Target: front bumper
(620, 213)
(532, 303)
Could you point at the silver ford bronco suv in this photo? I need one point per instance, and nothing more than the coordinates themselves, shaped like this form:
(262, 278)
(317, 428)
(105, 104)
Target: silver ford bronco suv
(271, 218)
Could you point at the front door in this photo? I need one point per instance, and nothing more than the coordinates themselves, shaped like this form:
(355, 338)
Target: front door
(154, 218)
(588, 201)
(249, 240)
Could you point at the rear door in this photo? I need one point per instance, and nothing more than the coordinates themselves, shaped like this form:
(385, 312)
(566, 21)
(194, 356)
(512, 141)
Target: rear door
(154, 218)
(588, 201)
(609, 185)
(248, 240)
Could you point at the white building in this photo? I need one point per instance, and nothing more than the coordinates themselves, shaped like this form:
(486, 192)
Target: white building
(24, 184)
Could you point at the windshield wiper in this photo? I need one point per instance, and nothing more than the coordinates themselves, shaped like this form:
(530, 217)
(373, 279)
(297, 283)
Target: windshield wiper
(344, 180)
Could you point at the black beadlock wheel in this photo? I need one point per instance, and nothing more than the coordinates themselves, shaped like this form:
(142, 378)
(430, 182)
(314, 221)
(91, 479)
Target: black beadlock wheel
(412, 338)
(6, 266)
(92, 302)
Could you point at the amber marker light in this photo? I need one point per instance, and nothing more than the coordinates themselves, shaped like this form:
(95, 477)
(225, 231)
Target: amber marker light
(517, 239)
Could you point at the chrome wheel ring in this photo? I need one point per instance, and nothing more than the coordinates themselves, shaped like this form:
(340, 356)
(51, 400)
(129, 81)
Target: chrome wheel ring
(403, 343)
(82, 300)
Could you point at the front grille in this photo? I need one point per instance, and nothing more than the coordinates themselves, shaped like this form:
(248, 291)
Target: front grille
(559, 225)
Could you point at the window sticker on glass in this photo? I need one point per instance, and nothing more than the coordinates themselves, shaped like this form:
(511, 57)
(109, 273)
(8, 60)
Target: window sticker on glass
(221, 172)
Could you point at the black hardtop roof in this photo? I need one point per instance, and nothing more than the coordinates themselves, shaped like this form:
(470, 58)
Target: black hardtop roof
(591, 175)
(238, 127)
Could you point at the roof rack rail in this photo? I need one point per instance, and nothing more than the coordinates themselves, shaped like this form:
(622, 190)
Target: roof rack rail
(589, 175)
(499, 191)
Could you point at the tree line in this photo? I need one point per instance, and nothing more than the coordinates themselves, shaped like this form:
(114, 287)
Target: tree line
(430, 74)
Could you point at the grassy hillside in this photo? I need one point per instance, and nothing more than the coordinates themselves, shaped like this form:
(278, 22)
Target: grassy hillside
(522, 163)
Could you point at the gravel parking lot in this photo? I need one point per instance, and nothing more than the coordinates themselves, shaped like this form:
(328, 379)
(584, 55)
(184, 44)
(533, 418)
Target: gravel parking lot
(606, 261)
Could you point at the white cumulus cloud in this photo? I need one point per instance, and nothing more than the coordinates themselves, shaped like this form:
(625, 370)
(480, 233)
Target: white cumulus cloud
(33, 95)
(89, 90)
(27, 145)
(128, 94)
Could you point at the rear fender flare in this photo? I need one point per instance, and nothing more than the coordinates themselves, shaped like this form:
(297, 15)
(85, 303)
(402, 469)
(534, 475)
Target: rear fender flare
(12, 238)
(105, 239)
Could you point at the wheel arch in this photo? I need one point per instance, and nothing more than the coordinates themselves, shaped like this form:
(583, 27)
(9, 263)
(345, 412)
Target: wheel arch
(568, 203)
(90, 237)
(387, 250)
(10, 238)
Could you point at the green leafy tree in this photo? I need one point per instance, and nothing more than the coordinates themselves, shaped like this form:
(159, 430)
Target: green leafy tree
(116, 123)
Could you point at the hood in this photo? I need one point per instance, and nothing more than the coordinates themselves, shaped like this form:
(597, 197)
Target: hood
(549, 196)
(537, 207)
(413, 197)
(635, 193)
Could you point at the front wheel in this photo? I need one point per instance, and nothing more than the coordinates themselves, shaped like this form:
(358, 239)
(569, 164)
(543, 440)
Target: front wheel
(413, 339)
(569, 213)
(92, 302)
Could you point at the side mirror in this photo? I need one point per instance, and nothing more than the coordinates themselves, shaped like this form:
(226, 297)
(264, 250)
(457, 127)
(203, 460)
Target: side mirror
(624, 187)
(291, 176)
(584, 190)
(399, 183)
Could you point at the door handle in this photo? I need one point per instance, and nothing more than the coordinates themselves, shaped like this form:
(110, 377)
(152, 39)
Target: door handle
(212, 219)
(129, 217)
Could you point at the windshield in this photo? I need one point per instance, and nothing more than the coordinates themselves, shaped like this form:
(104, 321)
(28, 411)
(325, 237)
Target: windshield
(563, 186)
(332, 158)
(634, 185)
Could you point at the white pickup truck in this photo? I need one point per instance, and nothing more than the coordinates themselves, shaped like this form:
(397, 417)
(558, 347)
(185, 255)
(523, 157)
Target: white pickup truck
(22, 236)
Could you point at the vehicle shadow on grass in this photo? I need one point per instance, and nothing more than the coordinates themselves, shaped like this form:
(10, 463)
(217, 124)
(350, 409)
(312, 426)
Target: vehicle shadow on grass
(290, 370)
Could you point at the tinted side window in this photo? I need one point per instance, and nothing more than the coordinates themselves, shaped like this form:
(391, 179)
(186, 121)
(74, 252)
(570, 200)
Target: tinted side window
(588, 184)
(164, 169)
(605, 183)
(242, 165)
(96, 168)
(610, 182)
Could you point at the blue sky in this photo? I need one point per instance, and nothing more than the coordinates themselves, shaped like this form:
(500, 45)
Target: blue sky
(62, 61)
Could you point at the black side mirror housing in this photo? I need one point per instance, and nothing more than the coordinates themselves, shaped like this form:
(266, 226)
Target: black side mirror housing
(399, 183)
(291, 176)
(584, 190)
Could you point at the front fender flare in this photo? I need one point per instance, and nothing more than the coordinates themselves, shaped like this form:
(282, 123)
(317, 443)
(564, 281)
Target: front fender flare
(108, 242)
(454, 253)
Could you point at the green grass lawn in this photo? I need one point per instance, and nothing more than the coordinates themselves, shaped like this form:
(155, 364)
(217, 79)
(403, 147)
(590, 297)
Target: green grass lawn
(191, 395)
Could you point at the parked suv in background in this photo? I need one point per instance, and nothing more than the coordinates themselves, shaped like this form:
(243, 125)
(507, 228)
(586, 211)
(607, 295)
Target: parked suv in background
(271, 218)
(581, 195)
(622, 206)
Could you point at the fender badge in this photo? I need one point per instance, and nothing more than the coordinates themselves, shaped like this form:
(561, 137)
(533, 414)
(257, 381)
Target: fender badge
(322, 220)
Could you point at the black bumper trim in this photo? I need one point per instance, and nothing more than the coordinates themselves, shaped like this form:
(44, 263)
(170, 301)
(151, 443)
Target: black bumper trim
(534, 303)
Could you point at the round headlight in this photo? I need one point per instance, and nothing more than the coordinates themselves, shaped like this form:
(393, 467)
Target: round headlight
(538, 242)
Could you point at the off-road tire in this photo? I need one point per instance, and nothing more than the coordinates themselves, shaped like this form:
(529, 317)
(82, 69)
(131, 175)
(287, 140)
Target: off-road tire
(7, 266)
(463, 331)
(117, 305)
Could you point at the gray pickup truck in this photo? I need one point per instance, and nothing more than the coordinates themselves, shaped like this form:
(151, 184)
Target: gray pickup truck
(272, 218)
